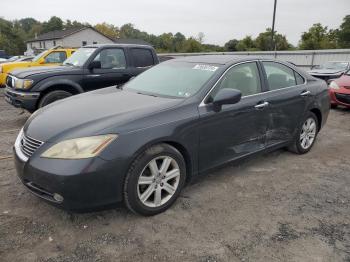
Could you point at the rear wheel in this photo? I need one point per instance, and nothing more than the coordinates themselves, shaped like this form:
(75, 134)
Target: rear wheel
(306, 136)
(154, 180)
(52, 97)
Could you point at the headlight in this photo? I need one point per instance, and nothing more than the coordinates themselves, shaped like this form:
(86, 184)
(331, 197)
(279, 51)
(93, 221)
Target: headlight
(333, 85)
(23, 83)
(79, 148)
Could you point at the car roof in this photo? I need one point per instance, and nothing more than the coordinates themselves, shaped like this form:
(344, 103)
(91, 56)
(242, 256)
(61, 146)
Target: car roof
(216, 59)
(62, 49)
(116, 45)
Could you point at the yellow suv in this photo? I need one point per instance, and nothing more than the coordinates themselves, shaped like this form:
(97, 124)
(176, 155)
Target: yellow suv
(53, 56)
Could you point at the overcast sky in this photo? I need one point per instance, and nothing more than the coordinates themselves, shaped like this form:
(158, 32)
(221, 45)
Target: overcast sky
(219, 20)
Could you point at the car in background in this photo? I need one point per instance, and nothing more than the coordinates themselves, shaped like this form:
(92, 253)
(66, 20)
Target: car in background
(17, 59)
(339, 91)
(141, 144)
(89, 68)
(330, 70)
(54, 56)
(3, 55)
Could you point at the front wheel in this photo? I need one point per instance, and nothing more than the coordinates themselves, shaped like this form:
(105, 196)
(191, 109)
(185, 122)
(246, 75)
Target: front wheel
(52, 97)
(154, 180)
(306, 135)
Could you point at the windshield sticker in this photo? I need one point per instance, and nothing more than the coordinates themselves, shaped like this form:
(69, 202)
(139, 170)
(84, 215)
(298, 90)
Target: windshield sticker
(206, 67)
(184, 94)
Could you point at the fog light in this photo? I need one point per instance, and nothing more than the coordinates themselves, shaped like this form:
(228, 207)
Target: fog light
(58, 197)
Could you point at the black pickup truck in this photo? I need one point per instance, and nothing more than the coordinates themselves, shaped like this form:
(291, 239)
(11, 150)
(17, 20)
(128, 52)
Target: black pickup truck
(89, 68)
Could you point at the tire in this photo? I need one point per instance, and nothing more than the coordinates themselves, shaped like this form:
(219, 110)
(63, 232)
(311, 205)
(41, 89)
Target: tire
(52, 97)
(142, 187)
(299, 146)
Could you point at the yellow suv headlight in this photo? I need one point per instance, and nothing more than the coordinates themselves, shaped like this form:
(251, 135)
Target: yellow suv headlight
(79, 148)
(23, 83)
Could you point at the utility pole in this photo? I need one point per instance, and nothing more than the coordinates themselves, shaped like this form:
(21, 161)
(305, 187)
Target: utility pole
(273, 26)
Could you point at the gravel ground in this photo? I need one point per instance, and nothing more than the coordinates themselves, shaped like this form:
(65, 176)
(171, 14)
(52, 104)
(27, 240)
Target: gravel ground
(275, 207)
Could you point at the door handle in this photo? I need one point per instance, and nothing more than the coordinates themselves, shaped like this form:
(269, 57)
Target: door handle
(262, 105)
(305, 93)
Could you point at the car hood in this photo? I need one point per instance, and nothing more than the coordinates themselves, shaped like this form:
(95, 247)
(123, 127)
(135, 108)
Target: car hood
(94, 112)
(27, 72)
(15, 64)
(325, 71)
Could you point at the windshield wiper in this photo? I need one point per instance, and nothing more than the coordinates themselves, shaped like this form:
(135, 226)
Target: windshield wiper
(70, 64)
(146, 94)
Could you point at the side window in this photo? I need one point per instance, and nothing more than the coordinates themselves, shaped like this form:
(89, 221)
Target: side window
(244, 77)
(56, 57)
(299, 79)
(112, 58)
(279, 76)
(142, 57)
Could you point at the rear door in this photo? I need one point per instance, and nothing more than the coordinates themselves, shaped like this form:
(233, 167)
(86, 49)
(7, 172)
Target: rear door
(142, 59)
(287, 97)
(114, 69)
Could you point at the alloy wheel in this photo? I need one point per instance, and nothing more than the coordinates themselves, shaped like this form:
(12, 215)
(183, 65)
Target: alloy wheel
(308, 133)
(158, 181)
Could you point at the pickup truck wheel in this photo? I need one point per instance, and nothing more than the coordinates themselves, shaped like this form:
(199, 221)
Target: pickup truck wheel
(52, 97)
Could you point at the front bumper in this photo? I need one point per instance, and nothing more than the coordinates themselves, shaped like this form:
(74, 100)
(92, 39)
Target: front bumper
(84, 184)
(26, 100)
(341, 97)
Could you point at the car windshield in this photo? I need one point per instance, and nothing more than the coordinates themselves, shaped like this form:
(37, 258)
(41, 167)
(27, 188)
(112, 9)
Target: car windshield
(37, 57)
(79, 57)
(173, 79)
(334, 65)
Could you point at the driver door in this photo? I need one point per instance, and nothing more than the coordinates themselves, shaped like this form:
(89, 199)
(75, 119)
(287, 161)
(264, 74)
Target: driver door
(113, 70)
(238, 129)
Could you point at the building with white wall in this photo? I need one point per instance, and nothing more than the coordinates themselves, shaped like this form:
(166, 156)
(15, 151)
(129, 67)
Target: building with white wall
(75, 37)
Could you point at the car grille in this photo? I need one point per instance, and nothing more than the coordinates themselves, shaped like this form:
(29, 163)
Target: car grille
(29, 145)
(343, 98)
(9, 81)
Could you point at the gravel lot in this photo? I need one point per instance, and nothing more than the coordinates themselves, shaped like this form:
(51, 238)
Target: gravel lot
(275, 207)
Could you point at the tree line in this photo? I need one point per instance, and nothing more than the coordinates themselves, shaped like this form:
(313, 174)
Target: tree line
(14, 34)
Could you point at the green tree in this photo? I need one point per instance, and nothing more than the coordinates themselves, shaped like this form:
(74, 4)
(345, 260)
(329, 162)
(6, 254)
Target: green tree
(344, 33)
(192, 45)
(231, 45)
(178, 42)
(55, 23)
(317, 37)
(28, 23)
(11, 39)
(108, 30)
(263, 41)
(246, 44)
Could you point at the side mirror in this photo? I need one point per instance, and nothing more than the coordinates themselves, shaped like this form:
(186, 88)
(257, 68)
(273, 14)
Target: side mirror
(95, 64)
(226, 96)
